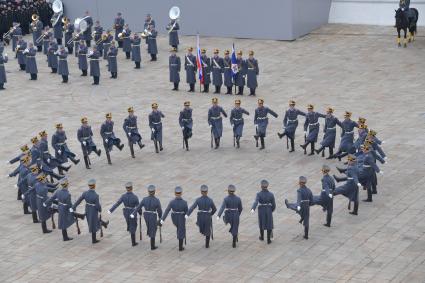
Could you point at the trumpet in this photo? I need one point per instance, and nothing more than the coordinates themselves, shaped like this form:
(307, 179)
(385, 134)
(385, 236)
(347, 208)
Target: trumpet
(145, 33)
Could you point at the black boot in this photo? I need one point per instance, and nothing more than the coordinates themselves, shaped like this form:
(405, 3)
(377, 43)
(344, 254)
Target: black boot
(306, 233)
(217, 89)
(331, 152)
(137, 65)
(216, 143)
(339, 179)
(237, 142)
(311, 149)
(229, 90)
(26, 211)
(176, 86)
(269, 236)
(105, 223)
(19, 197)
(93, 238)
(86, 161)
(127, 55)
(156, 146)
(234, 241)
(153, 247)
(108, 157)
(133, 239)
(65, 235)
(281, 135)
(292, 145)
(98, 152)
(318, 151)
(44, 228)
(79, 215)
(75, 161)
(261, 238)
(160, 146)
(207, 242)
(341, 170)
(356, 208)
(186, 143)
(262, 143)
(131, 150)
(120, 146)
(34, 217)
(369, 194)
(84, 73)
(141, 145)
(328, 219)
(304, 146)
(181, 245)
(65, 168)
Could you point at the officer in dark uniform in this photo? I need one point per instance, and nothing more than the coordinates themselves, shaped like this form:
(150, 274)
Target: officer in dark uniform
(237, 121)
(175, 67)
(130, 128)
(191, 68)
(179, 209)
(126, 41)
(108, 136)
(206, 70)
(266, 206)
(206, 209)
(261, 121)
(151, 41)
(312, 125)
(173, 36)
(186, 123)
(155, 124)
(325, 198)
(302, 206)
(88, 33)
(84, 136)
(290, 123)
(217, 67)
(215, 121)
(232, 208)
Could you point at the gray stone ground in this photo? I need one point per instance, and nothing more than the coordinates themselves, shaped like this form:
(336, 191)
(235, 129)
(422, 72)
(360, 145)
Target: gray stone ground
(357, 68)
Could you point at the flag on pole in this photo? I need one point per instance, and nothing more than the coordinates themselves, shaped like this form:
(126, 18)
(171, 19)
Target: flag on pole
(199, 60)
(235, 68)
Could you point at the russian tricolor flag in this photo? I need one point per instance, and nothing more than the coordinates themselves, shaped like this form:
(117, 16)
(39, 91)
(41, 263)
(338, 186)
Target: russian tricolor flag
(199, 61)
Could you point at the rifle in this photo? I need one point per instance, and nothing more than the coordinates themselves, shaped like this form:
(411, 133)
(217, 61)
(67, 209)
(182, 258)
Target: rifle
(256, 136)
(160, 230)
(212, 230)
(53, 220)
(287, 143)
(101, 228)
(305, 140)
(140, 227)
(211, 138)
(234, 141)
(78, 226)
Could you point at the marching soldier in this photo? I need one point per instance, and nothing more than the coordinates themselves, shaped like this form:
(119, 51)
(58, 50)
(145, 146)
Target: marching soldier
(151, 41)
(108, 136)
(47, 158)
(266, 206)
(217, 70)
(52, 59)
(106, 42)
(362, 134)
(312, 125)
(20, 48)
(126, 41)
(47, 36)
(206, 70)
(330, 132)
(179, 209)
(94, 65)
(156, 126)
(228, 74)
(173, 35)
(42, 188)
(31, 63)
(261, 121)
(112, 60)
(58, 31)
(62, 152)
(84, 136)
(82, 58)
(98, 31)
(152, 214)
(37, 158)
(93, 210)
(69, 30)
(3, 59)
(325, 198)
(29, 194)
(252, 73)
(290, 123)
(350, 189)
(206, 209)
(215, 122)
(191, 68)
(237, 121)
(130, 128)
(37, 29)
(175, 67)
(232, 208)
(186, 123)
(130, 202)
(63, 64)
(22, 185)
(367, 170)
(22, 158)
(87, 33)
(135, 50)
(240, 75)
(347, 136)
(118, 26)
(302, 206)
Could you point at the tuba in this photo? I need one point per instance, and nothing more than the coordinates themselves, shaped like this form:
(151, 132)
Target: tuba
(80, 24)
(33, 24)
(57, 8)
(174, 14)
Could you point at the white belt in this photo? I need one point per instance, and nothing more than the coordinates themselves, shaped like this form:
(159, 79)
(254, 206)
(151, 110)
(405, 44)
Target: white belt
(349, 132)
(131, 127)
(60, 59)
(216, 118)
(190, 119)
(40, 197)
(177, 212)
(46, 151)
(264, 204)
(367, 166)
(64, 204)
(149, 211)
(91, 59)
(350, 178)
(107, 133)
(111, 56)
(30, 56)
(237, 119)
(305, 200)
(204, 211)
(313, 124)
(86, 138)
(234, 209)
(261, 118)
(156, 123)
(227, 67)
(129, 207)
(135, 45)
(91, 204)
(292, 120)
(62, 143)
(250, 68)
(333, 128)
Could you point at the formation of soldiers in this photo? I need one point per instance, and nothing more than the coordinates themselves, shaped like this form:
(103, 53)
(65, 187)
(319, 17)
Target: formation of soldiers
(42, 198)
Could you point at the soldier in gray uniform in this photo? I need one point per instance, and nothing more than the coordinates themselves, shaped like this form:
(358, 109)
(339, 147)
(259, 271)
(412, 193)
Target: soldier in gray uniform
(16, 32)
(47, 36)
(63, 64)
(155, 125)
(252, 73)
(3, 60)
(302, 206)
(77, 39)
(130, 201)
(106, 41)
(152, 214)
(346, 145)
(191, 69)
(241, 74)
(118, 26)
(126, 41)
(112, 60)
(37, 29)
(98, 31)
(186, 123)
(87, 33)
(290, 123)
(330, 132)
(261, 121)
(232, 208)
(20, 48)
(179, 209)
(31, 63)
(29, 194)
(93, 210)
(51, 161)
(237, 121)
(151, 41)
(108, 136)
(94, 65)
(148, 23)
(312, 125)
(69, 30)
(266, 206)
(42, 188)
(52, 59)
(206, 209)
(130, 128)
(174, 64)
(58, 31)
(215, 122)
(217, 71)
(227, 72)
(206, 70)
(135, 50)
(173, 36)
(62, 151)
(22, 185)
(84, 136)
(82, 58)
(325, 198)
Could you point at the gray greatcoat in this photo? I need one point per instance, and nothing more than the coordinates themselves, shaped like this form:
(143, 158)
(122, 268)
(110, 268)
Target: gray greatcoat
(266, 206)
(151, 40)
(112, 59)
(206, 209)
(252, 73)
(65, 218)
(130, 201)
(82, 58)
(191, 68)
(131, 130)
(232, 208)
(312, 125)
(135, 49)
(175, 67)
(236, 119)
(31, 63)
(94, 64)
(261, 120)
(217, 65)
(173, 34)
(63, 63)
(290, 121)
(156, 124)
(215, 120)
(52, 59)
(178, 208)
(151, 214)
(92, 210)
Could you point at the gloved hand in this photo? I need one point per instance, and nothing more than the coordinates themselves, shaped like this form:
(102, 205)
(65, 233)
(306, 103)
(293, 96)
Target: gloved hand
(305, 132)
(106, 140)
(359, 185)
(382, 142)
(298, 208)
(109, 212)
(153, 130)
(186, 217)
(7, 176)
(23, 196)
(16, 186)
(7, 162)
(218, 217)
(71, 210)
(182, 128)
(84, 143)
(330, 195)
(252, 211)
(129, 134)
(210, 126)
(44, 204)
(48, 160)
(381, 172)
(131, 215)
(59, 151)
(161, 221)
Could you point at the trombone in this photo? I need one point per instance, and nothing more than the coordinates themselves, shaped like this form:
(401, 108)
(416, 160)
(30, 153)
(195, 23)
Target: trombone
(41, 37)
(102, 39)
(7, 35)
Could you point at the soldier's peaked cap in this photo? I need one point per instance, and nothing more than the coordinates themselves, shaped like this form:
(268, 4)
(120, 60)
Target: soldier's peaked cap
(151, 188)
(231, 188)
(204, 188)
(302, 179)
(91, 182)
(178, 190)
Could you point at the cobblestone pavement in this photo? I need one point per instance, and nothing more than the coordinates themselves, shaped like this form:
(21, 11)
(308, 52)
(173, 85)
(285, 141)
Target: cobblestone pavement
(357, 68)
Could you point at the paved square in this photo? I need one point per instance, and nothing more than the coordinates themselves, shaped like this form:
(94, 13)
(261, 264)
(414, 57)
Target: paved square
(356, 68)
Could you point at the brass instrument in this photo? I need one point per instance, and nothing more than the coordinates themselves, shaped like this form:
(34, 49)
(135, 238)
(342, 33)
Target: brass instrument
(7, 35)
(174, 14)
(57, 8)
(145, 33)
(41, 37)
(80, 24)
(34, 17)
(33, 24)
(120, 35)
(65, 22)
(102, 39)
